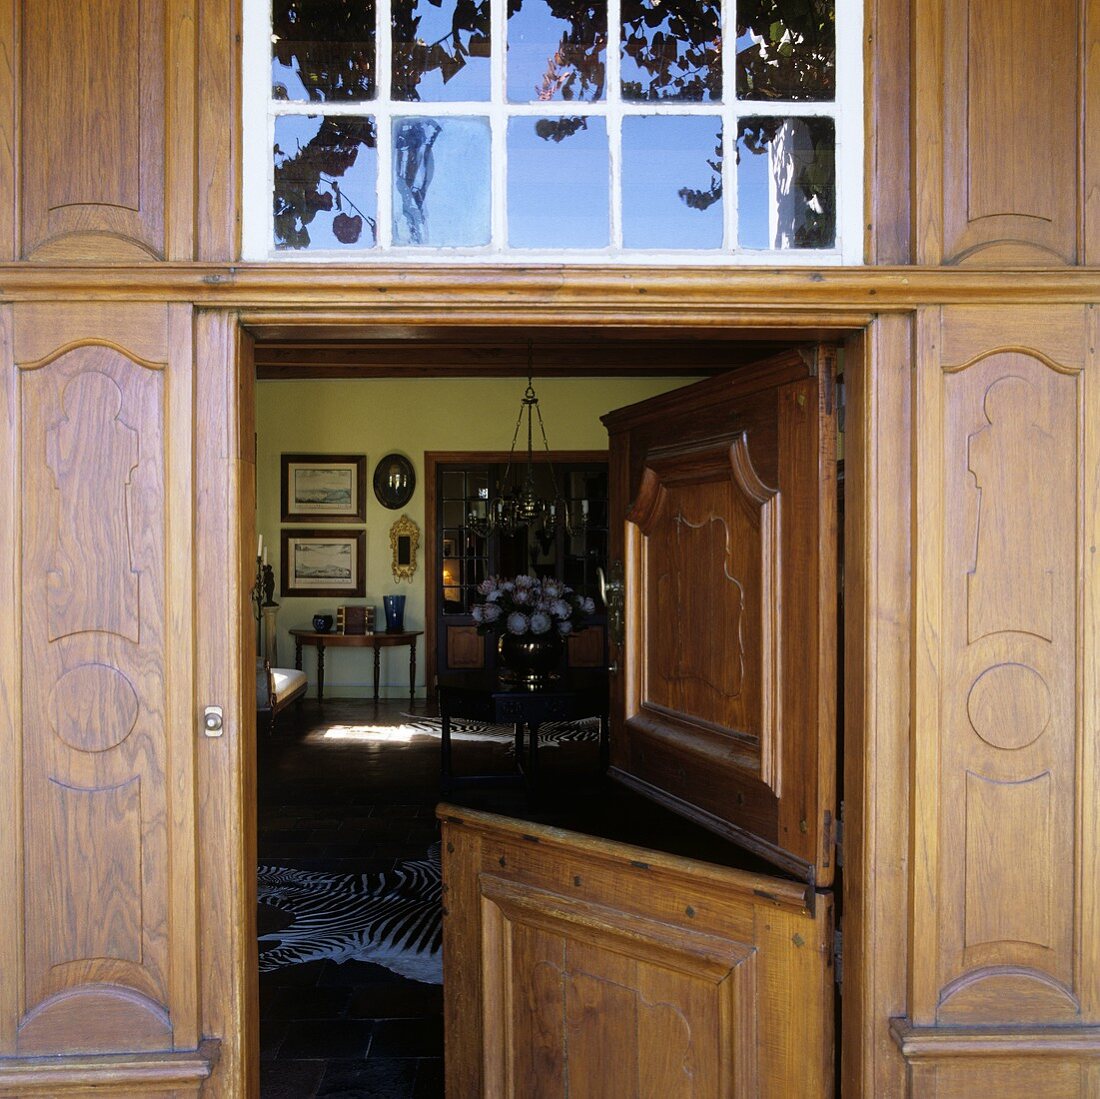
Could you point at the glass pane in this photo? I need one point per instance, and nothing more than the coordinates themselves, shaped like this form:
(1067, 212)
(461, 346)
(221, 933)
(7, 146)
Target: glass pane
(556, 50)
(672, 182)
(557, 183)
(441, 181)
(325, 176)
(671, 51)
(440, 50)
(786, 183)
(477, 485)
(786, 49)
(454, 486)
(454, 513)
(322, 51)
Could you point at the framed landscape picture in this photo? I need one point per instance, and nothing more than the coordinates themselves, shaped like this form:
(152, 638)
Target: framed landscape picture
(316, 487)
(324, 562)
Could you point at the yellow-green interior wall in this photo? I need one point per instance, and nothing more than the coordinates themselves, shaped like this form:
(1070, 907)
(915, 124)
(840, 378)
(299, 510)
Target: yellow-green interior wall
(376, 416)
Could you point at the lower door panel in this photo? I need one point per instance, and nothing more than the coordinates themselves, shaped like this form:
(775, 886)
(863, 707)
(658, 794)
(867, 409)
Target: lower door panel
(579, 967)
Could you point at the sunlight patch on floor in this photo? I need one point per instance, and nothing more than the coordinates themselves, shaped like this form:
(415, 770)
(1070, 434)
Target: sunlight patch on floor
(390, 734)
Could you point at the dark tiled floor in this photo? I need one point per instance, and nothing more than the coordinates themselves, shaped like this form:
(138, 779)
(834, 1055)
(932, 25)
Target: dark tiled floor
(333, 803)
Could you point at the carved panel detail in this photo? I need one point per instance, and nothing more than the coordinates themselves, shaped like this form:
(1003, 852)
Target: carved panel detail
(1008, 893)
(93, 708)
(1004, 765)
(1009, 706)
(711, 567)
(99, 816)
(1010, 584)
(92, 453)
(1002, 74)
(94, 129)
(96, 874)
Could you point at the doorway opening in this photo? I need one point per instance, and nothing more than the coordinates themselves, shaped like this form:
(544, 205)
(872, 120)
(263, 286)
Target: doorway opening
(347, 788)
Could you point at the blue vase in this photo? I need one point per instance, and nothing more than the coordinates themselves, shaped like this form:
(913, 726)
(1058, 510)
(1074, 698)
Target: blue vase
(394, 606)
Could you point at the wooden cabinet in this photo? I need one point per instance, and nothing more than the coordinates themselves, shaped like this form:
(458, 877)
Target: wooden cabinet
(581, 967)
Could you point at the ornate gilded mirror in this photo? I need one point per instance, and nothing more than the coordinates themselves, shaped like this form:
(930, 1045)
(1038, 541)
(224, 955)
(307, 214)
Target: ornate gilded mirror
(404, 539)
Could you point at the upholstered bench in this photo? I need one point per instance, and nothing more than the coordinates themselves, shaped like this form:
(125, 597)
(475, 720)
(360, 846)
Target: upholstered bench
(276, 689)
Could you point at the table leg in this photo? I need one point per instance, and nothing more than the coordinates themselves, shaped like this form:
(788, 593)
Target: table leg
(519, 742)
(298, 653)
(605, 744)
(412, 669)
(377, 652)
(320, 671)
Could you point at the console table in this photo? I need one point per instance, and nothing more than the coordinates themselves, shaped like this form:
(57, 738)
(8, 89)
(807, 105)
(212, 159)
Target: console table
(483, 696)
(375, 641)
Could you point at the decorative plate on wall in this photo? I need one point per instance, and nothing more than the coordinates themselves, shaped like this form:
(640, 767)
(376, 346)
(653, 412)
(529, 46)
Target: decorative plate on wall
(394, 481)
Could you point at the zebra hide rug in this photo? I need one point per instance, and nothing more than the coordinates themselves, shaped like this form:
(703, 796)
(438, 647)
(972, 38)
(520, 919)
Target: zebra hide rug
(552, 734)
(391, 918)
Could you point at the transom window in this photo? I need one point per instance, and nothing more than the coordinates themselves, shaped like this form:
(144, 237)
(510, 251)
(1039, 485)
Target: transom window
(564, 130)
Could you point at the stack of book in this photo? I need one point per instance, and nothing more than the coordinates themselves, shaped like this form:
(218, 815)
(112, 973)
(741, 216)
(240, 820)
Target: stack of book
(355, 620)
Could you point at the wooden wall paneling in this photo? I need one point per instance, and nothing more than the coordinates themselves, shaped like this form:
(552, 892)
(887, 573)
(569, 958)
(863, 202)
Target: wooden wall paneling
(179, 679)
(92, 131)
(103, 834)
(877, 372)
(886, 191)
(1090, 132)
(997, 97)
(182, 88)
(9, 128)
(224, 557)
(1000, 773)
(217, 215)
(11, 709)
(1088, 696)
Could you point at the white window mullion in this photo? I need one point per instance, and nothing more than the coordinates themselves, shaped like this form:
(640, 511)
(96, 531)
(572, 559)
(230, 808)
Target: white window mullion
(615, 122)
(498, 123)
(849, 130)
(729, 125)
(383, 120)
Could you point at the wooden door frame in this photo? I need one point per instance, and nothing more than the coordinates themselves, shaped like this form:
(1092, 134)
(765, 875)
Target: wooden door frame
(876, 643)
(433, 459)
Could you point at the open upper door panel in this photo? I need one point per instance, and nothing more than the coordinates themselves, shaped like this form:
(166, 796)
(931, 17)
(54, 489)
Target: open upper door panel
(724, 705)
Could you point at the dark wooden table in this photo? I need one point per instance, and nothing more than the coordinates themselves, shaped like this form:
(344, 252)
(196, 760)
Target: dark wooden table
(376, 641)
(484, 697)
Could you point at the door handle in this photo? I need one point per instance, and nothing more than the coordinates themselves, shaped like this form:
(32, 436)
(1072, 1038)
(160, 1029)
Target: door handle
(212, 721)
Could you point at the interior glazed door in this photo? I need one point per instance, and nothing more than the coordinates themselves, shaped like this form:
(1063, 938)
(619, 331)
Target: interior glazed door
(578, 966)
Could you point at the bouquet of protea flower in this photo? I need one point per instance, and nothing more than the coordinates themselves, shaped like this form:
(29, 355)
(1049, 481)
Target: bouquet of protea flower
(530, 605)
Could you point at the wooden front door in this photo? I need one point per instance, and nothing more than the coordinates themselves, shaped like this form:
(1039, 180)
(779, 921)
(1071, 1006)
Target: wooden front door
(577, 966)
(124, 965)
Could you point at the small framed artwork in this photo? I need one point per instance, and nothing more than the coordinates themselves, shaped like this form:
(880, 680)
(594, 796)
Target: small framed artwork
(320, 487)
(324, 562)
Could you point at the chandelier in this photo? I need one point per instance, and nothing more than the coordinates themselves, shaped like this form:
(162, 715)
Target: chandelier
(522, 506)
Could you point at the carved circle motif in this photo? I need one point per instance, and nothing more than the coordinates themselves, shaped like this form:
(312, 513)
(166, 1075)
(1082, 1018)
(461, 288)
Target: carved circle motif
(1009, 706)
(93, 708)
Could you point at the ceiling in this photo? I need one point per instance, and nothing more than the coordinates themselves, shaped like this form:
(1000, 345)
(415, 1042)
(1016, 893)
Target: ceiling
(503, 352)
